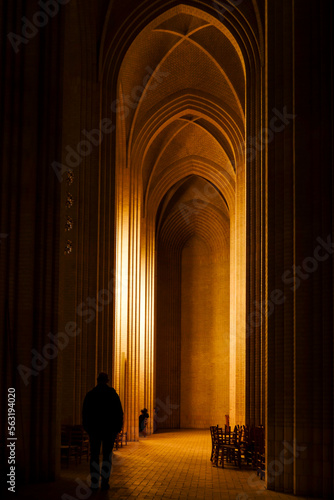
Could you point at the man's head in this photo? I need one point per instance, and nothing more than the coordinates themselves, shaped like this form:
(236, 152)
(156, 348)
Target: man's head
(102, 378)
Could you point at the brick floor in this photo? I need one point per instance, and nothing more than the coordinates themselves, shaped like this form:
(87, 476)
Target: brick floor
(172, 465)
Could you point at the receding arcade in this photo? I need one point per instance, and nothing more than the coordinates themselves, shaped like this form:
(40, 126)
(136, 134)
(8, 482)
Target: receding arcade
(181, 222)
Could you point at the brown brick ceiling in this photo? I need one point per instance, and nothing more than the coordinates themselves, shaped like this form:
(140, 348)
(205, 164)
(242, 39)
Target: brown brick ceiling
(190, 117)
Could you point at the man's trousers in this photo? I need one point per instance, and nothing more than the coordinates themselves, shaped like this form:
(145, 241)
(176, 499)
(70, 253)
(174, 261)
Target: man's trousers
(95, 447)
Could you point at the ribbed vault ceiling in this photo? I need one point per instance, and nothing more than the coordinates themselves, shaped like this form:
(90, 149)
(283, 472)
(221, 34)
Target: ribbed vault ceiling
(187, 124)
(193, 208)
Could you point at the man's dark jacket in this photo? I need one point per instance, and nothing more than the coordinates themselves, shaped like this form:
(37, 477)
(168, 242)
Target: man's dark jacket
(102, 413)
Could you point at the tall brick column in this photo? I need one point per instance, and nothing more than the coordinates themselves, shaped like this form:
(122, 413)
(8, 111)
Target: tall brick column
(300, 331)
(30, 120)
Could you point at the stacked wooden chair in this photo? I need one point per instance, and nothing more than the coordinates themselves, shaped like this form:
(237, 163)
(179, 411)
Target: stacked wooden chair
(243, 445)
(74, 444)
(232, 446)
(80, 439)
(68, 450)
(259, 452)
(214, 441)
(121, 436)
(217, 446)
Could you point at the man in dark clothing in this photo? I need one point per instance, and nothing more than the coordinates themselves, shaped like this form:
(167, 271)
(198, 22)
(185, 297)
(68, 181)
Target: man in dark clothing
(102, 417)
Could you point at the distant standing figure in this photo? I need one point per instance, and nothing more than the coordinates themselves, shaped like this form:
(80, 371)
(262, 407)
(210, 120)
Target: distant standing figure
(102, 417)
(143, 421)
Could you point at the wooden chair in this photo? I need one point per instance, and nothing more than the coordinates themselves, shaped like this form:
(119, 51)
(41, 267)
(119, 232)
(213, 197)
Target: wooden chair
(125, 438)
(232, 447)
(218, 441)
(259, 451)
(243, 445)
(214, 442)
(121, 436)
(68, 451)
(80, 439)
(246, 445)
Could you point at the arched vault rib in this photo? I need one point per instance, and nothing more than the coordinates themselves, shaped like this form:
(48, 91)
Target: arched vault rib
(196, 166)
(207, 223)
(173, 136)
(236, 27)
(207, 54)
(202, 192)
(199, 103)
(203, 109)
(210, 56)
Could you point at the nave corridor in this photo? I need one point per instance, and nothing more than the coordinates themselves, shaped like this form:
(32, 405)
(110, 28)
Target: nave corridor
(171, 464)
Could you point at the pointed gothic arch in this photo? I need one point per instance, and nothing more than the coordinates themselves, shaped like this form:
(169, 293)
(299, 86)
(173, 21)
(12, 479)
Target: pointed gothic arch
(153, 112)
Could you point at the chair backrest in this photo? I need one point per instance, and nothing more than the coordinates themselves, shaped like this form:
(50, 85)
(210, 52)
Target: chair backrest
(66, 435)
(228, 435)
(77, 435)
(246, 433)
(220, 435)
